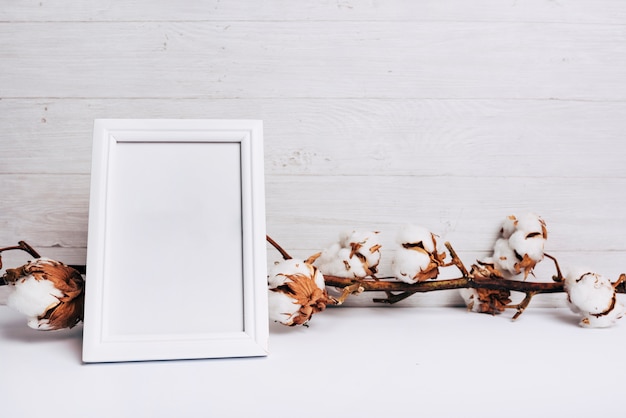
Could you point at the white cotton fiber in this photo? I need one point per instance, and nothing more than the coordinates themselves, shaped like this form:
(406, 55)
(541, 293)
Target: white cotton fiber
(342, 265)
(33, 297)
(522, 244)
(278, 272)
(589, 292)
(408, 263)
(414, 234)
(282, 308)
(604, 321)
(508, 226)
(530, 222)
(504, 257)
(356, 255)
(593, 296)
(470, 297)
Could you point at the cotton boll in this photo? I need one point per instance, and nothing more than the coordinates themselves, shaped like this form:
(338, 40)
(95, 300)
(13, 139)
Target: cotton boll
(521, 245)
(417, 257)
(48, 292)
(593, 296)
(356, 255)
(367, 245)
(296, 292)
(342, 265)
(589, 292)
(408, 264)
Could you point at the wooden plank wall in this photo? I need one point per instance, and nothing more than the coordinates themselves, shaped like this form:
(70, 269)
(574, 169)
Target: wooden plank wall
(449, 114)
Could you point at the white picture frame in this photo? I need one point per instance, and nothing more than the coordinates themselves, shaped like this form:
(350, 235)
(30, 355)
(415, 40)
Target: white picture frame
(176, 258)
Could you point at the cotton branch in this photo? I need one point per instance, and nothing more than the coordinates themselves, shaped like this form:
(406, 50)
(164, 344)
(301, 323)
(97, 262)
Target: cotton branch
(473, 279)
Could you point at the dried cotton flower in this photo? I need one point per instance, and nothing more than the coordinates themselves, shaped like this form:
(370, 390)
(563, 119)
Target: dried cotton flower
(520, 245)
(296, 292)
(418, 257)
(355, 255)
(593, 297)
(491, 301)
(48, 292)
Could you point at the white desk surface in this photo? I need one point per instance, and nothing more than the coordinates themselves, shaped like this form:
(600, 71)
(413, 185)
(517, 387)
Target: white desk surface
(365, 362)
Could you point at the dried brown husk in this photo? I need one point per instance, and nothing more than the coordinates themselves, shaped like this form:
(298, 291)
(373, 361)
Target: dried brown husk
(526, 264)
(491, 301)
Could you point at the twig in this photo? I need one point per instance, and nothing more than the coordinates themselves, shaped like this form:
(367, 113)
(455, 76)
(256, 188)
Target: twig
(389, 284)
(559, 275)
(22, 245)
(456, 260)
(280, 249)
(522, 305)
(347, 291)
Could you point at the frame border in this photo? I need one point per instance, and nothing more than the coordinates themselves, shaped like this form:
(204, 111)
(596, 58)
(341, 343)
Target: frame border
(253, 340)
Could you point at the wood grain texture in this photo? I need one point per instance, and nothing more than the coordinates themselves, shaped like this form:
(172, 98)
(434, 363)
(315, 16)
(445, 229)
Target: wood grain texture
(368, 137)
(313, 59)
(464, 210)
(572, 11)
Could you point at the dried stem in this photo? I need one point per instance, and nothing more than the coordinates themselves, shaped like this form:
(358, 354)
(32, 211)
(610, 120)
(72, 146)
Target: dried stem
(559, 275)
(456, 260)
(522, 305)
(280, 249)
(21, 245)
(397, 291)
(347, 291)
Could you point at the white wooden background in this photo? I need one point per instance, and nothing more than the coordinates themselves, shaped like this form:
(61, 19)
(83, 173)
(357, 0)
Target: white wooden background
(449, 114)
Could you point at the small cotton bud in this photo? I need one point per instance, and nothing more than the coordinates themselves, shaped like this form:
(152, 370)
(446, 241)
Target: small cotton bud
(48, 292)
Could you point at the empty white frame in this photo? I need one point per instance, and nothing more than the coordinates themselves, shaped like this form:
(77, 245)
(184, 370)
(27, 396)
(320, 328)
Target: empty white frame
(176, 258)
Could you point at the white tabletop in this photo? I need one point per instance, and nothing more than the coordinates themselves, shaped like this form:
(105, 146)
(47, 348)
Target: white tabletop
(366, 362)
